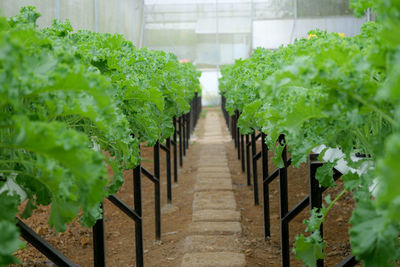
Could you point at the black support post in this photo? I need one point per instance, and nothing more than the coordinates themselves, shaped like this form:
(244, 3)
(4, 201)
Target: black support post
(184, 133)
(264, 164)
(157, 190)
(188, 129)
(175, 143)
(284, 207)
(254, 161)
(137, 195)
(248, 172)
(168, 158)
(315, 192)
(237, 134)
(180, 142)
(99, 244)
(242, 151)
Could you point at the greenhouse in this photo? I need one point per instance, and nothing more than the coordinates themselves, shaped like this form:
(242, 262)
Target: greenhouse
(200, 133)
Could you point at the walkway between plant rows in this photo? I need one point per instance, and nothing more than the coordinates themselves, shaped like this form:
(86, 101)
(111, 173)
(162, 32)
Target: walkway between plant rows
(212, 239)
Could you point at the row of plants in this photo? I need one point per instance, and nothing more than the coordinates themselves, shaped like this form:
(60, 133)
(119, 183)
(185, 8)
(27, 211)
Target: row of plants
(72, 105)
(343, 93)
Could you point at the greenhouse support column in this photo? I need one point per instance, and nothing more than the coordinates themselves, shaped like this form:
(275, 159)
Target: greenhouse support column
(58, 10)
(119, 14)
(217, 34)
(134, 24)
(96, 16)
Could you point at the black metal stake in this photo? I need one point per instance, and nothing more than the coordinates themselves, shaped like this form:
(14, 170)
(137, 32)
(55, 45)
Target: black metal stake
(180, 142)
(99, 244)
(284, 207)
(184, 134)
(248, 160)
(255, 178)
(188, 129)
(237, 134)
(137, 198)
(169, 186)
(175, 143)
(264, 164)
(233, 130)
(157, 190)
(315, 192)
(242, 151)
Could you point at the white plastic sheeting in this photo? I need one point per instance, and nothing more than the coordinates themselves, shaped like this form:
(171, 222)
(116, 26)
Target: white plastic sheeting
(274, 33)
(117, 16)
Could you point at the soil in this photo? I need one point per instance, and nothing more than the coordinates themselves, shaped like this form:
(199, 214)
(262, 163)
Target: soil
(76, 242)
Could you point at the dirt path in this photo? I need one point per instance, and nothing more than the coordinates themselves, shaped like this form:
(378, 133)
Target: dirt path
(213, 235)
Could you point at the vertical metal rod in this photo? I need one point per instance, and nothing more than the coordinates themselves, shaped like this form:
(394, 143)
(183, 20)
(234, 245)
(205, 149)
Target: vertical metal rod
(184, 133)
(284, 207)
(264, 163)
(237, 134)
(242, 151)
(315, 194)
(169, 186)
(96, 16)
(180, 142)
(142, 41)
(255, 176)
(58, 10)
(137, 194)
(230, 125)
(157, 190)
(99, 245)
(217, 44)
(134, 24)
(188, 128)
(248, 161)
(368, 14)
(119, 14)
(175, 153)
(234, 129)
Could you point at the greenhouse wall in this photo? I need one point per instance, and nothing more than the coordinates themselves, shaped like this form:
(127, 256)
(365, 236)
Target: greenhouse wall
(121, 16)
(274, 33)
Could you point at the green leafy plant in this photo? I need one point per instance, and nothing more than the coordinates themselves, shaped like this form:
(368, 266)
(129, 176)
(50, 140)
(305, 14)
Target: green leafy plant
(69, 106)
(343, 93)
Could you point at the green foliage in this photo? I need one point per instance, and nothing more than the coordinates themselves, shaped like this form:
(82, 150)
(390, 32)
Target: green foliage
(69, 106)
(343, 93)
(310, 249)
